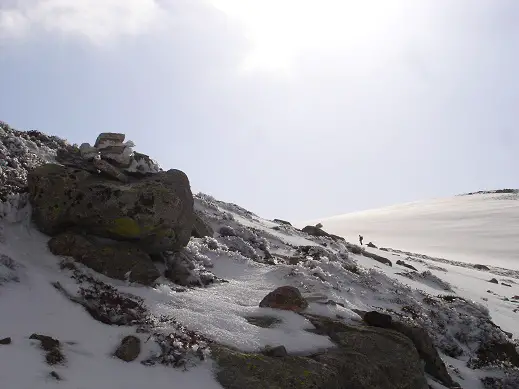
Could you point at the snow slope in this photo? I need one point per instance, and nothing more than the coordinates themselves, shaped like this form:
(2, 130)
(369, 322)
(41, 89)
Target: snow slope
(479, 228)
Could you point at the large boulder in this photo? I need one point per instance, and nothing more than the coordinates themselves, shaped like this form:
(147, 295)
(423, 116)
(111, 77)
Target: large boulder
(155, 211)
(120, 260)
(365, 358)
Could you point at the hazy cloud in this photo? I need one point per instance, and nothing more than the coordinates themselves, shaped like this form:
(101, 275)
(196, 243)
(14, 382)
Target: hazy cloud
(99, 21)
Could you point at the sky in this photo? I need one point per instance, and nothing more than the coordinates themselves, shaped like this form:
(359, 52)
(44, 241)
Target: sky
(292, 109)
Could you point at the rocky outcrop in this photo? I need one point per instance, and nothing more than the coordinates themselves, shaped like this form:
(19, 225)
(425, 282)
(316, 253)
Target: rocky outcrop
(284, 222)
(201, 227)
(156, 211)
(481, 267)
(316, 231)
(129, 349)
(405, 264)
(370, 244)
(494, 281)
(120, 260)
(434, 365)
(285, 297)
(377, 258)
(365, 358)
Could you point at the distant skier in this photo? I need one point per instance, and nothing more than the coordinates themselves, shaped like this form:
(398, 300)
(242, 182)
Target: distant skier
(361, 238)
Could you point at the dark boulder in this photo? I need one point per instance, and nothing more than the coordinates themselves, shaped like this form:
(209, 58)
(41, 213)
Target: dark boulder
(377, 258)
(120, 261)
(402, 263)
(129, 349)
(155, 211)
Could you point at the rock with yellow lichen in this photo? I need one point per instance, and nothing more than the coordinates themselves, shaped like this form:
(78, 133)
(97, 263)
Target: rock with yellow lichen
(155, 212)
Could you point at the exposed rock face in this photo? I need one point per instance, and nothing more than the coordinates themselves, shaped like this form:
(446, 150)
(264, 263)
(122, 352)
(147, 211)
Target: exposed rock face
(114, 261)
(433, 363)
(378, 258)
(129, 349)
(365, 358)
(405, 264)
(156, 211)
(316, 231)
(280, 221)
(422, 341)
(286, 298)
(201, 227)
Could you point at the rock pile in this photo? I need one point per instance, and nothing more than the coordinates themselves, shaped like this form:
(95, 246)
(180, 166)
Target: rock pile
(110, 208)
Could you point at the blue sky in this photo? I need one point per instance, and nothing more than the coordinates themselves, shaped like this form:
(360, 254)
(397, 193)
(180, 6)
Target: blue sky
(292, 109)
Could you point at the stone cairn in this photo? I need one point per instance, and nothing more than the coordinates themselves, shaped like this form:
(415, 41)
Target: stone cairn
(111, 156)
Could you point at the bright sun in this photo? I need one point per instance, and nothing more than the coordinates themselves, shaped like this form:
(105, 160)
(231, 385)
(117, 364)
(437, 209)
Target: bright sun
(280, 30)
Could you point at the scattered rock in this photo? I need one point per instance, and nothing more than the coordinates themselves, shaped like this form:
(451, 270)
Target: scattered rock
(377, 258)
(494, 281)
(370, 244)
(481, 267)
(55, 375)
(377, 319)
(502, 283)
(284, 222)
(276, 352)
(120, 260)
(263, 321)
(5, 341)
(156, 211)
(285, 297)
(129, 349)
(402, 263)
(52, 347)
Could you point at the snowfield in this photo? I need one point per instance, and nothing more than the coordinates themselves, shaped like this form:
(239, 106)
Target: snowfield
(479, 228)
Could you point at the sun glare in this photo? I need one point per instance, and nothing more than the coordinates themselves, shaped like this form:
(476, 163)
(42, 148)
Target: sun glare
(280, 30)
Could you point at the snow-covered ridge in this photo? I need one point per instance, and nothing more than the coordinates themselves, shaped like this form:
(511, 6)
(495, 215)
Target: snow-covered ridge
(252, 256)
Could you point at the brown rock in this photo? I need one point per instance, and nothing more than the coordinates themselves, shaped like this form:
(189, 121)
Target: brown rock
(287, 298)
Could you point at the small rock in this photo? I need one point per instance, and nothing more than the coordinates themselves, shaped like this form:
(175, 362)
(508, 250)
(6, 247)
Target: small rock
(377, 319)
(47, 343)
(5, 341)
(494, 281)
(287, 298)
(502, 283)
(55, 375)
(370, 244)
(277, 352)
(54, 357)
(129, 349)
